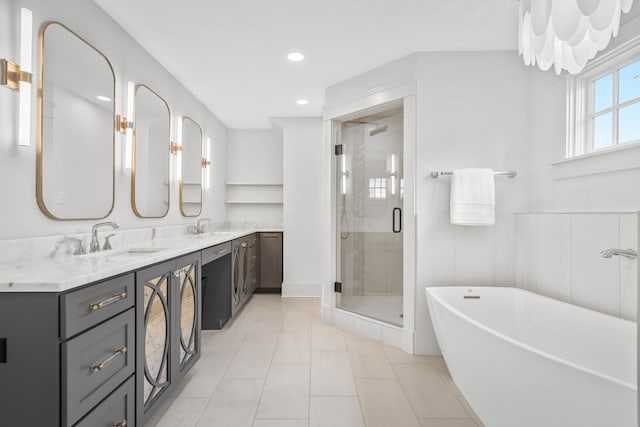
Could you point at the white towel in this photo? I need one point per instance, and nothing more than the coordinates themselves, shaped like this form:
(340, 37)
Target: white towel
(473, 198)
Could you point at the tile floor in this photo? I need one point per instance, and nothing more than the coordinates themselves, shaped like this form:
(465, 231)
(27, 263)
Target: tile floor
(278, 365)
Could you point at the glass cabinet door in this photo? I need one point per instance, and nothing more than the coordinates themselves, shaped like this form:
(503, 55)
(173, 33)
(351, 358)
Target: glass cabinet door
(157, 315)
(187, 312)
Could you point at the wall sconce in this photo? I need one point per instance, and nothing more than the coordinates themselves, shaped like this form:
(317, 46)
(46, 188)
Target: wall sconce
(19, 77)
(128, 144)
(206, 161)
(176, 148)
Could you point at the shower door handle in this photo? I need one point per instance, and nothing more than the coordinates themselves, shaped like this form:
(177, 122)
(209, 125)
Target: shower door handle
(396, 225)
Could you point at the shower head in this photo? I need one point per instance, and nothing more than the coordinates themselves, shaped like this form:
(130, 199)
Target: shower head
(377, 130)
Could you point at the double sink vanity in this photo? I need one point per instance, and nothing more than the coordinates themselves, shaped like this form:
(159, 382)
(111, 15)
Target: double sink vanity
(103, 338)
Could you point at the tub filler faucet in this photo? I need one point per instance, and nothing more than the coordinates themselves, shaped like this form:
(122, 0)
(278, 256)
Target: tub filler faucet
(627, 253)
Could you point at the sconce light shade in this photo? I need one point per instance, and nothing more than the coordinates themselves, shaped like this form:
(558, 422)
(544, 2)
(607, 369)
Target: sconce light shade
(206, 162)
(178, 149)
(128, 145)
(567, 33)
(26, 53)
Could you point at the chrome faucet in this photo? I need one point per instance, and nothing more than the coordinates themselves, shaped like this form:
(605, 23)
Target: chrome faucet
(627, 253)
(94, 246)
(201, 228)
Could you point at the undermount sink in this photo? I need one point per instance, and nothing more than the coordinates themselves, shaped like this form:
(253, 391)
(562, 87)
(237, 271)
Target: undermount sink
(136, 252)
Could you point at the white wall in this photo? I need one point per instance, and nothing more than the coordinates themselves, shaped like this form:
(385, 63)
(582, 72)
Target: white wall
(472, 111)
(255, 157)
(303, 214)
(558, 255)
(589, 190)
(20, 216)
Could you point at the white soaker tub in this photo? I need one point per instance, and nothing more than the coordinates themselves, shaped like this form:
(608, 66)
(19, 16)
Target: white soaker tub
(525, 360)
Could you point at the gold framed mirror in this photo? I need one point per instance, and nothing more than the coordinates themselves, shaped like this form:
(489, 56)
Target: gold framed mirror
(191, 181)
(75, 171)
(151, 145)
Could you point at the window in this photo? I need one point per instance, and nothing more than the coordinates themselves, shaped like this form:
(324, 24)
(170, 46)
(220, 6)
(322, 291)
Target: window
(604, 102)
(377, 188)
(616, 108)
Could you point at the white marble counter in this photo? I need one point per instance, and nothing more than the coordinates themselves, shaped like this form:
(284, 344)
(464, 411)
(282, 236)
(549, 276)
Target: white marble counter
(63, 272)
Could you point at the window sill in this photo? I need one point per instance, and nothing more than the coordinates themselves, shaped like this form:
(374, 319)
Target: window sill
(621, 158)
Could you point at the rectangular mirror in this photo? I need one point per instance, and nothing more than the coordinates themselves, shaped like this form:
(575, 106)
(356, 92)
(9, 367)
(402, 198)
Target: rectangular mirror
(75, 155)
(191, 183)
(151, 149)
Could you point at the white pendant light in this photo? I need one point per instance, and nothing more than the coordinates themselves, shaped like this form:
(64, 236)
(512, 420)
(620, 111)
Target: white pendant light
(566, 34)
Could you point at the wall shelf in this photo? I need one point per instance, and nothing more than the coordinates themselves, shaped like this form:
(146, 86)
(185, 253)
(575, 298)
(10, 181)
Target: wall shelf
(256, 184)
(251, 202)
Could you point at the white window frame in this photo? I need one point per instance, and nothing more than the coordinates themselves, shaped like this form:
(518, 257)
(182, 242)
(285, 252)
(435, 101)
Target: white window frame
(580, 102)
(377, 188)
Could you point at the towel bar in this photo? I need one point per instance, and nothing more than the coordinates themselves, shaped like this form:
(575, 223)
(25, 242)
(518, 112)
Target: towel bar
(509, 174)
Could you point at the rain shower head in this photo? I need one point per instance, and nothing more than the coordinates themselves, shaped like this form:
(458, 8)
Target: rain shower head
(377, 130)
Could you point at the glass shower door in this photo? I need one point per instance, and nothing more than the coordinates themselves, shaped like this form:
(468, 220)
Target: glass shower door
(369, 201)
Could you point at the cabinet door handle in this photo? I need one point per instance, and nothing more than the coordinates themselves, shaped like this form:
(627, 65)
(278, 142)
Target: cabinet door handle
(396, 226)
(243, 244)
(97, 367)
(115, 298)
(179, 271)
(122, 423)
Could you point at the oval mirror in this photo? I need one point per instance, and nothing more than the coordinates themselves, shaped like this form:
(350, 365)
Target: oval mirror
(191, 183)
(75, 154)
(150, 161)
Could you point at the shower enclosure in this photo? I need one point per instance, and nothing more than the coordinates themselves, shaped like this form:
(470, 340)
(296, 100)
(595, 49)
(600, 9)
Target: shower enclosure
(369, 202)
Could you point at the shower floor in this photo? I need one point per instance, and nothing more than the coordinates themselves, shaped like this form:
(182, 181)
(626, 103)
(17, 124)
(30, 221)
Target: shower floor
(386, 308)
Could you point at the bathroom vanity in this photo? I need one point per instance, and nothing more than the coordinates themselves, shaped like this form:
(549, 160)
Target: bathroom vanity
(103, 339)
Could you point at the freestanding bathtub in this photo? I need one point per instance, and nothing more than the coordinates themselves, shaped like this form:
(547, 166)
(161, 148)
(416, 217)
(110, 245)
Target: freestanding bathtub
(525, 360)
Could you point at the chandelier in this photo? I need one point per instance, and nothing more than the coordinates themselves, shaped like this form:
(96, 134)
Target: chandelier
(567, 33)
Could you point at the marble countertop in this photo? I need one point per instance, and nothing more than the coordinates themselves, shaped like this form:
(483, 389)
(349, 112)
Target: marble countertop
(64, 272)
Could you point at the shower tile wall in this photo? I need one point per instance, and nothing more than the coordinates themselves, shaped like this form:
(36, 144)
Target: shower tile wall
(558, 255)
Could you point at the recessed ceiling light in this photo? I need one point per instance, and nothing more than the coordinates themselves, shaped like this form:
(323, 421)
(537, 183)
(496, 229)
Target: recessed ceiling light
(295, 57)
(302, 101)
(103, 98)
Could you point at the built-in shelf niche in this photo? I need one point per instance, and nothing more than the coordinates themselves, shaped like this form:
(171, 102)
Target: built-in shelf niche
(257, 184)
(254, 193)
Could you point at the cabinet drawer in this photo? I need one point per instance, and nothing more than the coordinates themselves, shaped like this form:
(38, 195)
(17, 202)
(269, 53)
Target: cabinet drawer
(215, 252)
(87, 307)
(116, 410)
(95, 363)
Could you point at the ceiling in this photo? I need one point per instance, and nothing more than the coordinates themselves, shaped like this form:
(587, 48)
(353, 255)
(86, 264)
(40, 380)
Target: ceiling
(232, 55)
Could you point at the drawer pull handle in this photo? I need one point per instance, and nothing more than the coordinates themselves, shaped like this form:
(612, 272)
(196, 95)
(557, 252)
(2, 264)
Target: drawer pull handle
(100, 366)
(122, 423)
(243, 244)
(221, 251)
(270, 235)
(115, 298)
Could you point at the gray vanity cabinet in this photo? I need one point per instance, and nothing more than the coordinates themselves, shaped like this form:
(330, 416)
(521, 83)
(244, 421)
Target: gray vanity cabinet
(252, 264)
(63, 356)
(271, 260)
(168, 311)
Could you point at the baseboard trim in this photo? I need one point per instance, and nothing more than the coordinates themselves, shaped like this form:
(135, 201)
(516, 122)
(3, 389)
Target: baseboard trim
(301, 290)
